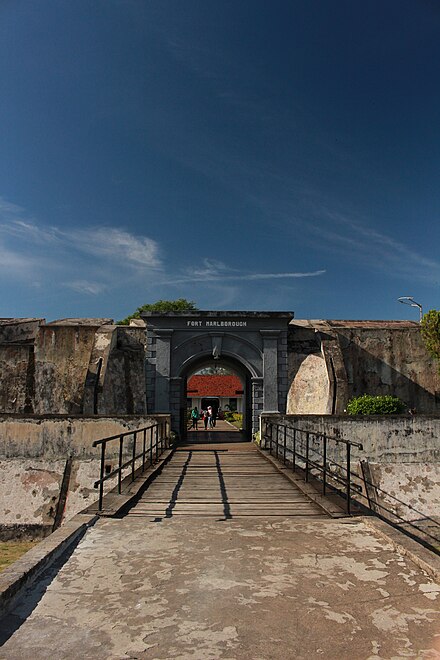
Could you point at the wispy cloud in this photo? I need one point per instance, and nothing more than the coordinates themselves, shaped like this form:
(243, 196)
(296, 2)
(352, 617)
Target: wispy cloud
(83, 286)
(84, 260)
(216, 271)
(117, 244)
(358, 241)
(30, 249)
(11, 261)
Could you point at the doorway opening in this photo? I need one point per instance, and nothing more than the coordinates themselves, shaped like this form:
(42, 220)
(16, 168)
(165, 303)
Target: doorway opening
(219, 391)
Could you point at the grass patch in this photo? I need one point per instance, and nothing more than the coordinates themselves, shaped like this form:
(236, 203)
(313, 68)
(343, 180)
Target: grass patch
(10, 551)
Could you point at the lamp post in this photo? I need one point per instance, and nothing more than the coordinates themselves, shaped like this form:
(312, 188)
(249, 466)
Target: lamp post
(409, 300)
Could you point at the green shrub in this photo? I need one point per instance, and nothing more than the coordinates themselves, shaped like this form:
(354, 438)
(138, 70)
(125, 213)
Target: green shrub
(375, 405)
(430, 329)
(234, 418)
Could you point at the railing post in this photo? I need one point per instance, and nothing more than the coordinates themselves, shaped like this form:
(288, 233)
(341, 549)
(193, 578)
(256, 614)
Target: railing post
(134, 455)
(294, 451)
(348, 477)
(271, 438)
(324, 464)
(307, 456)
(101, 476)
(157, 442)
(143, 449)
(285, 441)
(276, 442)
(151, 445)
(121, 440)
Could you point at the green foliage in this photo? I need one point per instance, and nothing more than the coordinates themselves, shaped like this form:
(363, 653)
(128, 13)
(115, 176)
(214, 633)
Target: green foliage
(375, 405)
(430, 329)
(179, 305)
(234, 418)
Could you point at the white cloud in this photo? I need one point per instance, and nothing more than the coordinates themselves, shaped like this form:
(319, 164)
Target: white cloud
(216, 271)
(35, 252)
(83, 286)
(85, 260)
(14, 262)
(119, 245)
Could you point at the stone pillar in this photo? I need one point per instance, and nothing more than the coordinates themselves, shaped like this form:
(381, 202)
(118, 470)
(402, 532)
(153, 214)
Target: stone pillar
(270, 370)
(163, 369)
(177, 406)
(257, 402)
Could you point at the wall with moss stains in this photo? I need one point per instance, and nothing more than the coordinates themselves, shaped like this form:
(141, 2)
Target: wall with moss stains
(33, 454)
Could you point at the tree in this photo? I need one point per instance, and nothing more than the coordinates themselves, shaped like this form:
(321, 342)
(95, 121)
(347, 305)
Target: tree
(430, 329)
(179, 305)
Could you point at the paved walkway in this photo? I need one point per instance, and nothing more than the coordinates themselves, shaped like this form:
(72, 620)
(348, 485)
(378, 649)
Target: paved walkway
(222, 432)
(207, 587)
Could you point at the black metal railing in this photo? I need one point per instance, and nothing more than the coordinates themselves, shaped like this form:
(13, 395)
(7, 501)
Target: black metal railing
(153, 441)
(310, 450)
(329, 460)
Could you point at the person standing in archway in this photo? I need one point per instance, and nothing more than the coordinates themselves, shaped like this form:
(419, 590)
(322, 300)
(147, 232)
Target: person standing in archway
(195, 418)
(205, 418)
(210, 416)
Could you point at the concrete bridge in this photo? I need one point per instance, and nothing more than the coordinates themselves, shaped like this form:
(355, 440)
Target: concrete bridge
(221, 552)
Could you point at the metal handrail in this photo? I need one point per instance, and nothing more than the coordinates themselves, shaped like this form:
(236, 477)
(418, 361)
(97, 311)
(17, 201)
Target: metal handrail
(309, 462)
(158, 441)
(352, 490)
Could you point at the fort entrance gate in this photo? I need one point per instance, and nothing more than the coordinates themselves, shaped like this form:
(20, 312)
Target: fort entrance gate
(251, 344)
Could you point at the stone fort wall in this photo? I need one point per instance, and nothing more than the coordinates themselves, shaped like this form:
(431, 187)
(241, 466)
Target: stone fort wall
(332, 361)
(71, 367)
(91, 366)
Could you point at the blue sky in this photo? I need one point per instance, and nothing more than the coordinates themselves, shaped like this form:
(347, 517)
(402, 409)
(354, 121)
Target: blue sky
(243, 154)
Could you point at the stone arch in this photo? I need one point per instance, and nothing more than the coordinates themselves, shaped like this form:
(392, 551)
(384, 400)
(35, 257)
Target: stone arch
(252, 397)
(234, 346)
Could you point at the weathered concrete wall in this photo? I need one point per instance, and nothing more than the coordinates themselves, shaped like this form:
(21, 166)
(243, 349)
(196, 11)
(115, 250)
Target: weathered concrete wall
(62, 356)
(16, 378)
(71, 366)
(17, 331)
(57, 436)
(309, 391)
(123, 382)
(385, 438)
(391, 361)
(403, 454)
(103, 344)
(417, 484)
(33, 454)
(361, 357)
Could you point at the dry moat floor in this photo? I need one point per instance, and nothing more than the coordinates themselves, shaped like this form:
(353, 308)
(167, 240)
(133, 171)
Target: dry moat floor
(10, 551)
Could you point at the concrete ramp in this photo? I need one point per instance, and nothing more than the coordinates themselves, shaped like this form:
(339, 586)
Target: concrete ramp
(215, 481)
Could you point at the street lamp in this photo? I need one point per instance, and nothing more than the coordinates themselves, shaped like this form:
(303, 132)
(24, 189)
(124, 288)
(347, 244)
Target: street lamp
(409, 300)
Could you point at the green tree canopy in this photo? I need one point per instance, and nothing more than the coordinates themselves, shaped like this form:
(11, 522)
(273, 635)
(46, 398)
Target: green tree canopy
(179, 305)
(430, 329)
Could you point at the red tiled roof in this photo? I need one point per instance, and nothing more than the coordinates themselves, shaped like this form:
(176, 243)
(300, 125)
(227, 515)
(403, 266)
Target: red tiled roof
(214, 386)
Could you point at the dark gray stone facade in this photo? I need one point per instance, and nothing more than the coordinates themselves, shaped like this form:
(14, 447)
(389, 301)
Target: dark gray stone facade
(253, 344)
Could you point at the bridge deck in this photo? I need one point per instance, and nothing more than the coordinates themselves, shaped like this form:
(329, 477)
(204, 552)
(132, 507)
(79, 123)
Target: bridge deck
(178, 578)
(213, 480)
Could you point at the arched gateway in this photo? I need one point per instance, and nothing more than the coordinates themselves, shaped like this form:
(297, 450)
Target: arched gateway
(252, 344)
